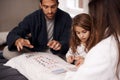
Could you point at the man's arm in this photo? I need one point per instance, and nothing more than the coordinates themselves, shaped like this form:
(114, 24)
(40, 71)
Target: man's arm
(18, 32)
(62, 32)
(65, 37)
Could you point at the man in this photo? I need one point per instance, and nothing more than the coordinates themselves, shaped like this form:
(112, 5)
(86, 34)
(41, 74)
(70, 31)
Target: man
(49, 28)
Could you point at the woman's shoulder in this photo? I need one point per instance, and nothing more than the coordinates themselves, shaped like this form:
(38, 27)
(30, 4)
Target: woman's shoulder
(105, 48)
(109, 41)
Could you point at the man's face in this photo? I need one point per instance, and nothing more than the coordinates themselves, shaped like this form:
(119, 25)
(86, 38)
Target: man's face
(49, 8)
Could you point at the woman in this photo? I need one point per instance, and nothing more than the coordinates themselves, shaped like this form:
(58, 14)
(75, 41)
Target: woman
(102, 60)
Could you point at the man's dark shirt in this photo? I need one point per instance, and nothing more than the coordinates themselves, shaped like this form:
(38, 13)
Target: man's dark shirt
(35, 24)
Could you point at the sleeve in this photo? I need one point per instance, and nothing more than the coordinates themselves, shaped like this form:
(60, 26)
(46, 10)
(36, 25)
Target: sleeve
(99, 63)
(18, 32)
(69, 53)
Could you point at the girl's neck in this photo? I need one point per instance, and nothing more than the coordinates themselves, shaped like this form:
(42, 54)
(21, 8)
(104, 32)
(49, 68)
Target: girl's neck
(84, 44)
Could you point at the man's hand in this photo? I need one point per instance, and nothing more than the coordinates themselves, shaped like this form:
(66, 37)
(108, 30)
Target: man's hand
(54, 45)
(19, 43)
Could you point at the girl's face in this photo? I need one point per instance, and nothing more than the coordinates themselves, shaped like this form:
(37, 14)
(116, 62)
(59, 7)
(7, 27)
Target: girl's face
(82, 34)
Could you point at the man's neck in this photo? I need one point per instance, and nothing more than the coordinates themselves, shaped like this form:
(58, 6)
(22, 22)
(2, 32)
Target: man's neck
(49, 19)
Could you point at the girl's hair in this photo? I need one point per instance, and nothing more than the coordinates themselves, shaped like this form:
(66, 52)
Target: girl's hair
(105, 16)
(82, 20)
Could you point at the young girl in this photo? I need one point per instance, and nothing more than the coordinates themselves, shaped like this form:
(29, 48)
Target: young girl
(81, 28)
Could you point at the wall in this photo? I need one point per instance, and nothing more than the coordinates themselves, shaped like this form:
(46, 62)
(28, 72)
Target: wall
(13, 11)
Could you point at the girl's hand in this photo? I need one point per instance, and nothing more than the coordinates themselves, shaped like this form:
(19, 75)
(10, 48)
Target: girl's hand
(70, 59)
(79, 60)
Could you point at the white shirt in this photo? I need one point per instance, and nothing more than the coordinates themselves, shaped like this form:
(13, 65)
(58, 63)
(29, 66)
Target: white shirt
(100, 62)
(80, 51)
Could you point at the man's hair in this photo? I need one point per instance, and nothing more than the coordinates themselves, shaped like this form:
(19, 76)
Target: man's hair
(42, 0)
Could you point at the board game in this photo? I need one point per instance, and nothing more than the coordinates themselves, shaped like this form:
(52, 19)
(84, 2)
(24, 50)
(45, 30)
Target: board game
(41, 66)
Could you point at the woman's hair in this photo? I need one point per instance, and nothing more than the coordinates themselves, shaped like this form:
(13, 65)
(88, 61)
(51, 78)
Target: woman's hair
(82, 20)
(105, 16)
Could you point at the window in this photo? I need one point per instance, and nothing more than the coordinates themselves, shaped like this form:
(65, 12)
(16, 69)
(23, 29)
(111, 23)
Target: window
(74, 7)
(75, 4)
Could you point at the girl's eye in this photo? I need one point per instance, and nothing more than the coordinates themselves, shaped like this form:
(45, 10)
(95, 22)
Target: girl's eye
(77, 32)
(84, 31)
